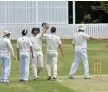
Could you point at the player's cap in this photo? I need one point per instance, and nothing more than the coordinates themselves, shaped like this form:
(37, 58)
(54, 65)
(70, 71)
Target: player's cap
(82, 27)
(5, 32)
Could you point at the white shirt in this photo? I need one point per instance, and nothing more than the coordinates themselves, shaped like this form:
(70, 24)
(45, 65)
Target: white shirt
(6, 46)
(80, 40)
(37, 42)
(24, 43)
(53, 42)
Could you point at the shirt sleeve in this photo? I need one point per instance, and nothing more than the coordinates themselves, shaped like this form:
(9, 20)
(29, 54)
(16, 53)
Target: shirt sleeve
(86, 36)
(40, 36)
(17, 44)
(30, 43)
(45, 35)
(59, 41)
(10, 47)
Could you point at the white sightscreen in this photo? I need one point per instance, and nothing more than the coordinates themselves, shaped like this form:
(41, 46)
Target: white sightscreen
(33, 12)
(54, 12)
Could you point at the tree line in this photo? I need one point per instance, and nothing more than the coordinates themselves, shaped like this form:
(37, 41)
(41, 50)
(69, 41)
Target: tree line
(89, 11)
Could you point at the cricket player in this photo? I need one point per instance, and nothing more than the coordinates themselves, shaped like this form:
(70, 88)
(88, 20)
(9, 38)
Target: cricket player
(24, 46)
(6, 50)
(37, 61)
(80, 52)
(53, 43)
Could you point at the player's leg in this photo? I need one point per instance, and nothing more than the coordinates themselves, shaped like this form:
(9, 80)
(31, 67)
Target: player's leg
(9, 69)
(34, 67)
(85, 62)
(2, 72)
(6, 68)
(48, 64)
(21, 65)
(54, 60)
(39, 63)
(26, 63)
(75, 63)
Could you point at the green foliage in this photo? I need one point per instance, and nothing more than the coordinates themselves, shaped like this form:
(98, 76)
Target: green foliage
(92, 11)
(87, 17)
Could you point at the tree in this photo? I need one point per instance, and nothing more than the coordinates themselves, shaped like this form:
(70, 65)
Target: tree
(91, 11)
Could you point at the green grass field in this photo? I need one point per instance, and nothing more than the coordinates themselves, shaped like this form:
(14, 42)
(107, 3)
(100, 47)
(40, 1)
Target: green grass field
(95, 48)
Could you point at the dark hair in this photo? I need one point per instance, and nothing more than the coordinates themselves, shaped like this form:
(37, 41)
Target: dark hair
(53, 30)
(80, 30)
(24, 32)
(35, 29)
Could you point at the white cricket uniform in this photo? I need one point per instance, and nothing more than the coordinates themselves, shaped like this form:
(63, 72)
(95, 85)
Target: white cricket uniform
(53, 43)
(80, 52)
(37, 61)
(5, 55)
(24, 43)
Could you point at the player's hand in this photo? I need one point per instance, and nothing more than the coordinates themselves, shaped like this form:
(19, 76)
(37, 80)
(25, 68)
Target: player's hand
(47, 26)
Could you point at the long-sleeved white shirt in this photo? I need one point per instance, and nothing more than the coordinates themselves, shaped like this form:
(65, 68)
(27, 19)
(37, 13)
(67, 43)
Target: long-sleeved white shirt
(37, 42)
(6, 46)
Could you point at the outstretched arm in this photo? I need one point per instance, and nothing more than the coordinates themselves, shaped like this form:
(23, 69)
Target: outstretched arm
(99, 38)
(45, 29)
(94, 38)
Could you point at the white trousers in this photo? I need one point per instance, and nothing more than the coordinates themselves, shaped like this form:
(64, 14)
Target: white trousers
(6, 66)
(51, 60)
(80, 54)
(37, 63)
(24, 60)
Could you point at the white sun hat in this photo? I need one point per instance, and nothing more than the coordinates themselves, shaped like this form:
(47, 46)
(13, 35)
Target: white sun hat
(5, 32)
(82, 27)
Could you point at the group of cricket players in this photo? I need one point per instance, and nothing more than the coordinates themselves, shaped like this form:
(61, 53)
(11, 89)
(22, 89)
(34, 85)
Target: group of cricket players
(32, 46)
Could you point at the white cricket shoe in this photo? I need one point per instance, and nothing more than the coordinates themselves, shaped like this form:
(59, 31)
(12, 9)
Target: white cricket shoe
(87, 77)
(71, 76)
(4, 81)
(36, 78)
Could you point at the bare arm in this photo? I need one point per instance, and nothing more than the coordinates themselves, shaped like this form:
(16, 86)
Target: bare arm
(10, 47)
(31, 51)
(100, 38)
(73, 46)
(61, 49)
(93, 38)
(18, 54)
(45, 29)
